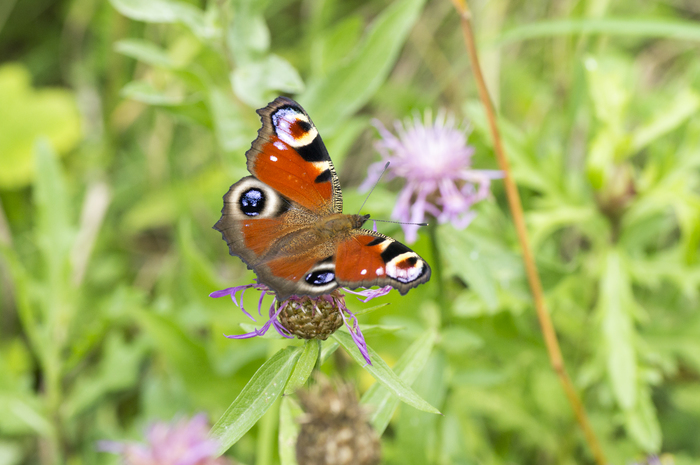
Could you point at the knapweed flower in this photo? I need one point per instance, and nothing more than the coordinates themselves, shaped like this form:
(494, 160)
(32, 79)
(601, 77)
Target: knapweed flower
(303, 316)
(183, 442)
(435, 160)
(334, 428)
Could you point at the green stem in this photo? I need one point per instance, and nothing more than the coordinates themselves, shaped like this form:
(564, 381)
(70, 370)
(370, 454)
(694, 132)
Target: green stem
(317, 367)
(267, 441)
(438, 276)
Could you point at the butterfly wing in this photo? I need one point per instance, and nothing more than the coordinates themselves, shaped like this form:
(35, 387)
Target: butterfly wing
(275, 238)
(268, 218)
(290, 157)
(367, 258)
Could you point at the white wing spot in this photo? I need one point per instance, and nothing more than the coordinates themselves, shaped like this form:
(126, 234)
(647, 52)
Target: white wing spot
(380, 271)
(363, 272)
(273, 158)
(280, 145)
(405, 275)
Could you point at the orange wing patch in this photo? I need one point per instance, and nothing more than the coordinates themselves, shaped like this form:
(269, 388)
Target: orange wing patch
(281, 167)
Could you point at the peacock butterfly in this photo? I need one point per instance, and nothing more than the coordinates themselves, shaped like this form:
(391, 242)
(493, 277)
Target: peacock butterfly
(286, 221)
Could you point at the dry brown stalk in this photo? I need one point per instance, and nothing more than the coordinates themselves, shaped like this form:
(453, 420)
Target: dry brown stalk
(516, 209)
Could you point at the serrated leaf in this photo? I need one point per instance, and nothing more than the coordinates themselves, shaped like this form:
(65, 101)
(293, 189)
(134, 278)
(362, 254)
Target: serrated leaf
(642, 424)
(615, 307)
(303, 368)
(255, 399)
(408, 367)
(682, 107)
(383, 374)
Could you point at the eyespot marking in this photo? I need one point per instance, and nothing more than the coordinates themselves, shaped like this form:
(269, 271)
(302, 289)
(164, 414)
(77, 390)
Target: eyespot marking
(320, 277)
(252, 202)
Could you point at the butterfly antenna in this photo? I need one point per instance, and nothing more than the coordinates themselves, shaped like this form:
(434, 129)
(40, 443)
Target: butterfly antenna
(400, 222)
(375, 185)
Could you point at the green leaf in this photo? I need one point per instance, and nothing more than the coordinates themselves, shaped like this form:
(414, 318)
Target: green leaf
(90, 388)
(408, 367)
(257, 396)
(327, 349)
(675, 113)
(370, 309)
(331, 99)
(466, 260)
(28, 114)
(232, 130)
(289, 430)
(383, 374)
(186, 356)
(145, 92)
(248, 36)
(168, 11)
(144, 51)
(664, 28)
(303, 368)
(616, 308)
(642, 424)
(258, 82)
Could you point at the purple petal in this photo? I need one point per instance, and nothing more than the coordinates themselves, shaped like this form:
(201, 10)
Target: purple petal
(370, 294)
(356, 334)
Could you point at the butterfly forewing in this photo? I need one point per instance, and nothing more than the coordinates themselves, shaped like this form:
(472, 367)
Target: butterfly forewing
(289, 156)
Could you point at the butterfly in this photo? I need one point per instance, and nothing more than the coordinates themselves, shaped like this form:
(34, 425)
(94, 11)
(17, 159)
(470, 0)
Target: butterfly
(286, 221)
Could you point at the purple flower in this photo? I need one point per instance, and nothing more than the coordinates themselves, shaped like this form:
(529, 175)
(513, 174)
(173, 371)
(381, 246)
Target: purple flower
(290, 309)
(183, 442)
(435, 161)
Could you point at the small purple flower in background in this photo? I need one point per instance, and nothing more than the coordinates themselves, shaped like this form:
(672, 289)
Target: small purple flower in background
(183, 442)
(306, 317)
(435, 161)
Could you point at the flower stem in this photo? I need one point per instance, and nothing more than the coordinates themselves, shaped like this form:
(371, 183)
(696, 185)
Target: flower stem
(555, 357)
(317, 367)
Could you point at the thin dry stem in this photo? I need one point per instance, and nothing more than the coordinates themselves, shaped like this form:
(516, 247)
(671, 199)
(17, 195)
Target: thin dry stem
(516, 209)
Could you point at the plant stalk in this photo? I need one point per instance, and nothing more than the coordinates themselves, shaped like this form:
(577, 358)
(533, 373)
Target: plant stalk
(516, 209)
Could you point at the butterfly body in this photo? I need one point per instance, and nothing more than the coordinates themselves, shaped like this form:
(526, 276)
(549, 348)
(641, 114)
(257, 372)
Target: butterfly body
(286, 221)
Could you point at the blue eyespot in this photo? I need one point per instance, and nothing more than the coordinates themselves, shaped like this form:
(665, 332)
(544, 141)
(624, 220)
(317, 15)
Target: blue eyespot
(252, 202)
(319, 278)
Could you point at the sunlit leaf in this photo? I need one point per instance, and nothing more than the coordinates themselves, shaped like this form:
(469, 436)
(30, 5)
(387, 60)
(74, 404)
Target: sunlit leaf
(28, 114)
(303, 368)
(616, 309)
(333, 98)
(257, 396)
(382, 400)
(383, 374)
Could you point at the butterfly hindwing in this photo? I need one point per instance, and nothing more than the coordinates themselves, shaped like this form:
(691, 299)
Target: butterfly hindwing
(275, 238)
(368, 258)
(289, 156)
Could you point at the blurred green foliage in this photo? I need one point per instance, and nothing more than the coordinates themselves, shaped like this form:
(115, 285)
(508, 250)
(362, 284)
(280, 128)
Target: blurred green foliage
(124, 123)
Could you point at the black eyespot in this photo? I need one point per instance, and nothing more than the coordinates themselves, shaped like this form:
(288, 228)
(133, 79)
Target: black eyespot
(319, 278)
(252, 202)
